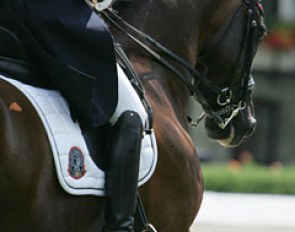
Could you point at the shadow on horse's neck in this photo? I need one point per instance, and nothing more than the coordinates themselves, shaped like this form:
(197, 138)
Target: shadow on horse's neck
(161, 85)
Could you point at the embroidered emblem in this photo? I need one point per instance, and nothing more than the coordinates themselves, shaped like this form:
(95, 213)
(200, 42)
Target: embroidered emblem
(76, 163)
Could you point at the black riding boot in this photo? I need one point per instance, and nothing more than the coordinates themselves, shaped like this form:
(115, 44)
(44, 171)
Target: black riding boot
(122, 175)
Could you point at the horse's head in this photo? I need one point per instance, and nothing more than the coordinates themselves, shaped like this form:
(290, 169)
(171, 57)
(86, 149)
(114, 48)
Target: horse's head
(226, 51)
(219, 36)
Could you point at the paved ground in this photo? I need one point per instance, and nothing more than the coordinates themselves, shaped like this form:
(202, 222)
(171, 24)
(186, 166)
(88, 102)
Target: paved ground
(224, 212)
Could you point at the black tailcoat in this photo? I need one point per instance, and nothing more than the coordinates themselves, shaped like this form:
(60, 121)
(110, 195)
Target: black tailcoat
(74, 48)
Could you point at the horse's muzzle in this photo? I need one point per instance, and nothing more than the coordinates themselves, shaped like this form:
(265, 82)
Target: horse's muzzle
(235, 133)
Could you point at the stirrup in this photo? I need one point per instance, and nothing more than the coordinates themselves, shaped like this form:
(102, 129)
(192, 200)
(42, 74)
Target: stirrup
(149, 228)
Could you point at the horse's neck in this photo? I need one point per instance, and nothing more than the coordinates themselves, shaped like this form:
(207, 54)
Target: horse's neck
(162, 85)
(160, 20)
(174, 24)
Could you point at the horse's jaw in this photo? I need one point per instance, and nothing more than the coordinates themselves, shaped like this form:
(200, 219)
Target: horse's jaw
(233, 134)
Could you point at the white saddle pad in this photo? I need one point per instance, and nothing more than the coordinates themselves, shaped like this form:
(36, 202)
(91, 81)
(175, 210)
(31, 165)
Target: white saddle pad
(76, 171)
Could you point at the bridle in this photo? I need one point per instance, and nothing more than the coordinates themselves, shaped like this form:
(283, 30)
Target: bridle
(231, 99)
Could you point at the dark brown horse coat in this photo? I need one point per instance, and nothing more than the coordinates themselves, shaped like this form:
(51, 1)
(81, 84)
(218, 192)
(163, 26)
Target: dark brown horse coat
(29, 191)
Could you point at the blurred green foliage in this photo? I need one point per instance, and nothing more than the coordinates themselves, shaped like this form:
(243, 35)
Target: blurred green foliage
(249, 178)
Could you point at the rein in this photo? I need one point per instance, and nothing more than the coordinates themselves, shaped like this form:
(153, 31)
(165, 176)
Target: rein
(225, 97)
(112, 17)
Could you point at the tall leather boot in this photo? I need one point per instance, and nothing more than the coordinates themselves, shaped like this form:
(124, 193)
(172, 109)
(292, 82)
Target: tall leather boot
(122, 174)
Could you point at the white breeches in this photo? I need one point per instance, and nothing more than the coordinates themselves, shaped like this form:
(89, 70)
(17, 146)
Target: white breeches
(128, 99)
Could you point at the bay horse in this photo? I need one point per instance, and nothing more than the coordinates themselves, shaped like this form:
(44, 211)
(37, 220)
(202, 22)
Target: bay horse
(216, 38)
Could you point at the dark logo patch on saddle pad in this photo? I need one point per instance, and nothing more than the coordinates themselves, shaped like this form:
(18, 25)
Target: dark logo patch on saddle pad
(76, 163)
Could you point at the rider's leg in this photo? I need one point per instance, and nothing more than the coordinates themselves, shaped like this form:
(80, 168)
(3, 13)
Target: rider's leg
(122, 174)
(124, 153)
(128, 99)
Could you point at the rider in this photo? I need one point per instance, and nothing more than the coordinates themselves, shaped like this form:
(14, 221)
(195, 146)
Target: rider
(72, 44)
